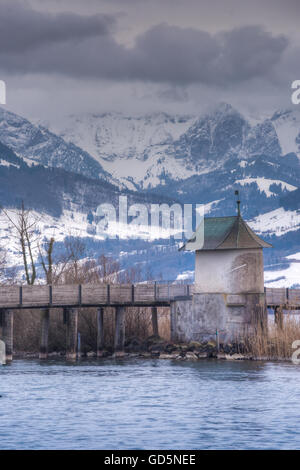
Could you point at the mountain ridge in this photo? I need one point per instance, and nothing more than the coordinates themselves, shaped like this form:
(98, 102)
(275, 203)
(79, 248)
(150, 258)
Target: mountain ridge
(177, 147)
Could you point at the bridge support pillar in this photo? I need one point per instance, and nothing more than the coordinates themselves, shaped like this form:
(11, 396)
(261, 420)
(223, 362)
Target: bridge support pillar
(8, 332)
(173, 322)
(278, 316)
(120, 329)
(72, 330)
(154, 321)
(100, 331)
(44, 333)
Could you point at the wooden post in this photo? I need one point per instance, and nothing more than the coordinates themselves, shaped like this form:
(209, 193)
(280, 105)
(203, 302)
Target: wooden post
(44, 333)
(154, 321)
(173, 327)
(8, 332)
(100, 331)
(2, 353)
(278, 313)
(78, 345)
(72, 326)
(120, 329)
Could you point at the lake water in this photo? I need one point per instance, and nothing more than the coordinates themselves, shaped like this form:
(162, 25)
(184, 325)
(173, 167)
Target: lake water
(149, 404)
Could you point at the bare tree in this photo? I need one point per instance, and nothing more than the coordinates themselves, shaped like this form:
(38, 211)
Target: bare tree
(94, 271)
(131, 275)
(25, 231)
(75, 250)
(67, 268)
(108, 269)
(47, 259)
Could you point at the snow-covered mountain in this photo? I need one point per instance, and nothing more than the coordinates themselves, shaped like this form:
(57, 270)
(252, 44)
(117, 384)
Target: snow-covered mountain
(38, 146)
(157, 158)
(287, 126)
(132, 149)
(201, 159)
(143, 151)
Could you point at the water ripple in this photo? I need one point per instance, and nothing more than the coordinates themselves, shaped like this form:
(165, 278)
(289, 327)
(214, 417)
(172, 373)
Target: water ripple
(149, 404)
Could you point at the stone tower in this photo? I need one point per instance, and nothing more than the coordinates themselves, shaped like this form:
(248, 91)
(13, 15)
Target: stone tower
(228, 297)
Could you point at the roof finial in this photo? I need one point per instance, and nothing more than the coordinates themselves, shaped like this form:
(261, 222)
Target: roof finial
(236, 192)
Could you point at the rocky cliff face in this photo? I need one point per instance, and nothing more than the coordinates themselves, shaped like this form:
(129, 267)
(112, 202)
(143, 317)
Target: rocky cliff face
(37, 145)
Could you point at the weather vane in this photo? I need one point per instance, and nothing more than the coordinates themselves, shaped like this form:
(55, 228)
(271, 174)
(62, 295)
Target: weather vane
(236, 192)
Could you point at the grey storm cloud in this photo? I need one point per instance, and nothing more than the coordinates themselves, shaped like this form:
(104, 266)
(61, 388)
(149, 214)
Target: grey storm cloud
(170, 53)
(84, 47)
(24, 29)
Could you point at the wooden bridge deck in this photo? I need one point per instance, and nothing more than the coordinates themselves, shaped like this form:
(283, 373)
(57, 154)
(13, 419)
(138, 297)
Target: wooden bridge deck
(89, 295)
(95, 295)
(72, 297)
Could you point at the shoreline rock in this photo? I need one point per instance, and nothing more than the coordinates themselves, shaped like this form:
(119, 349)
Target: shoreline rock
(155, 347)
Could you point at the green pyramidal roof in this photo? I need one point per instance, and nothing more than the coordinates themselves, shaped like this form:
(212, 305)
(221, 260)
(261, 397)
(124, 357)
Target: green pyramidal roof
(224, 233)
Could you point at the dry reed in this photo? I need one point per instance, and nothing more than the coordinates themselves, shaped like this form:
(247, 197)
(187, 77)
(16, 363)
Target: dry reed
(276, 342)
(27, 325)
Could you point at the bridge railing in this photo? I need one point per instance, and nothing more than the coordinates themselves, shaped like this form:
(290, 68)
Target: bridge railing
(90, 294)
(282, 296)
(149, 293)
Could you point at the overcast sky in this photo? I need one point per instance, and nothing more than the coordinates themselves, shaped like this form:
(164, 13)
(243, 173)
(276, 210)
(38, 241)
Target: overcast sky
(137, 56)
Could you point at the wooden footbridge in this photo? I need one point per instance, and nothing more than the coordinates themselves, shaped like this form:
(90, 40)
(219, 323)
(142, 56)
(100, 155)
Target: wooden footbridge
(73, 297)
